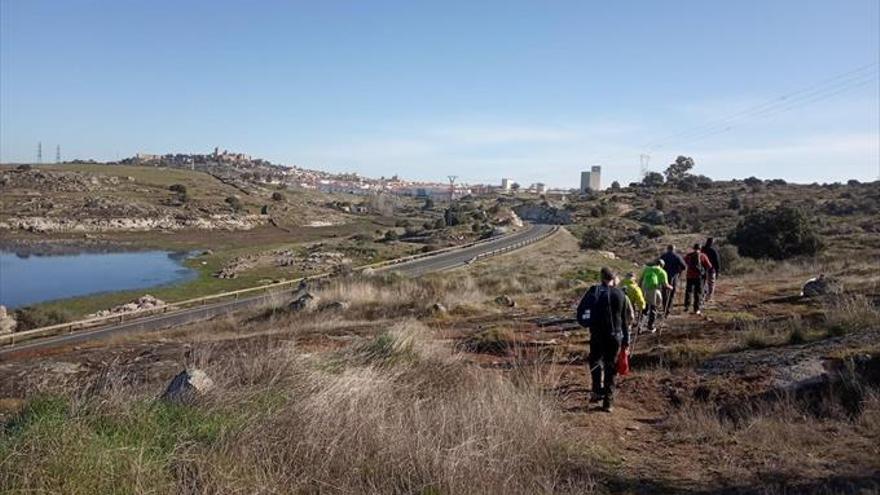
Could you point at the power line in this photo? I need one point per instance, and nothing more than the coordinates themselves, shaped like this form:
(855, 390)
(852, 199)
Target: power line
(822, 90)
(831, 83)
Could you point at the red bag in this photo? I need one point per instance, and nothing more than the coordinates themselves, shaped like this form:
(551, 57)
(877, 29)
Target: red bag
(623, 362)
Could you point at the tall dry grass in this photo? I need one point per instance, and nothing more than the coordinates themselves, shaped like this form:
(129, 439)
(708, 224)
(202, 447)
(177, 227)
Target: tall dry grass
(397, 414)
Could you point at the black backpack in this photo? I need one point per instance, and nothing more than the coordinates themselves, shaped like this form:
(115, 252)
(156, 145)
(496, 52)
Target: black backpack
(586, 311)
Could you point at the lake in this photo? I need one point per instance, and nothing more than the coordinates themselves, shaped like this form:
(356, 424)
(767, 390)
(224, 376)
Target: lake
(29, 279)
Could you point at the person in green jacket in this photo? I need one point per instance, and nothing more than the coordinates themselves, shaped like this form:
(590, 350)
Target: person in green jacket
(653, 280)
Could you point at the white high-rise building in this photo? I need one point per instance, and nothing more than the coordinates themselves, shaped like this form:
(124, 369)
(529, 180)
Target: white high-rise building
(505, 184)
(596, 178)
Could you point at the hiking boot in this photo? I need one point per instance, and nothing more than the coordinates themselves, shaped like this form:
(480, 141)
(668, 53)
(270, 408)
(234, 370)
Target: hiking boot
(653, 329)
(698, 312)
(596, 397)
(607, 404)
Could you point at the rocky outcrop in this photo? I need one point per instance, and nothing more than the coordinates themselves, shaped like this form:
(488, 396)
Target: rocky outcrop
(142, 303)
(188, 386)
(305, 302)
(7, 321)
(52, 224)
(313, 261)
(543, 213)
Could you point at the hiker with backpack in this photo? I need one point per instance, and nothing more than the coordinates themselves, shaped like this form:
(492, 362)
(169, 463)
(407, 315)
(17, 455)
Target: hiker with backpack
(653, 281)
(714, 256)
(673, 264)
(634, 295)
(698, 266)
(603, 311)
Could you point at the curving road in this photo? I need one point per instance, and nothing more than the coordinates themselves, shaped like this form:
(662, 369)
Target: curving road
(415, 268)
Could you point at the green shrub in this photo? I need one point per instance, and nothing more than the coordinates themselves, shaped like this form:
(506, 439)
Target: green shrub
(277, 196)
(651, 231)
(594, 238)
(778, 234)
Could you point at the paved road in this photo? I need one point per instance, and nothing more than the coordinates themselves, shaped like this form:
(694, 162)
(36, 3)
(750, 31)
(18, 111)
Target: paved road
(415, 268)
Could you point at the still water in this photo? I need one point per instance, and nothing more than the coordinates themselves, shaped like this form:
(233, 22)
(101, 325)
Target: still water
(29, 279)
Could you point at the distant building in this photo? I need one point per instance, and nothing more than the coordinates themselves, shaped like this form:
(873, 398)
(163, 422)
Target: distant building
(592, 180)
(596, 178)
(585, 182)
(505, 184)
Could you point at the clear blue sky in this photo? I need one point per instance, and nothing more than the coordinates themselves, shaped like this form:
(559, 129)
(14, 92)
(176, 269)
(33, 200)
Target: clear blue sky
(535, 90)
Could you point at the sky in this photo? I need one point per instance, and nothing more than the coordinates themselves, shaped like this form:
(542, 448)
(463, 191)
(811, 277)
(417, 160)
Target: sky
(536, 91)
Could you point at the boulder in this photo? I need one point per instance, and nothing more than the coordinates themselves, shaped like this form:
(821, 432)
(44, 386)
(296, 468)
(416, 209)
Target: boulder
(505, 300)
(820, 286)
(336, 306)
(439, 308)
(188, 386)
(305, 302)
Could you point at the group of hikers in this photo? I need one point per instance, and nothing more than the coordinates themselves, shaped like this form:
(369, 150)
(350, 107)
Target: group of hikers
(615, 307)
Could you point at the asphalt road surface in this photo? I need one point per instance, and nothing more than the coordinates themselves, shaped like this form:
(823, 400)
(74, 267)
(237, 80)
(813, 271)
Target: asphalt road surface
(415, 268)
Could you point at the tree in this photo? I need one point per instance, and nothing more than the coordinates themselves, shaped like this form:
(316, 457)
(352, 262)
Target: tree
(778, 234)
(429, 204)
(515, 186)
(653, 179)
(677, 171)
(615, 186)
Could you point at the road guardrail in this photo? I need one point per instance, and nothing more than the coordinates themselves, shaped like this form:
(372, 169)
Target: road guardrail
(70, 327)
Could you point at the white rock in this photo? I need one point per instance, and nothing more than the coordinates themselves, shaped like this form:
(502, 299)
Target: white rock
(188, 386)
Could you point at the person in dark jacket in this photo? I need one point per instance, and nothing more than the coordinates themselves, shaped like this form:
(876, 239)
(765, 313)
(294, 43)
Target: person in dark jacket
(698, 265)
(607, 334)
(673, 263)
(711, 252)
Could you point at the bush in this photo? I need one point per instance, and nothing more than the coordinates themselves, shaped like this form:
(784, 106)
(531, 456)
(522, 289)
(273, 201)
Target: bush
(615, 186)
(277, 196)
(594, 238)
(778, 234)
(391, 235)
(234, 203)
(178, 188)
(735, 203)
(654, 217)
(34, 317)
(651, 231)
(440, 223)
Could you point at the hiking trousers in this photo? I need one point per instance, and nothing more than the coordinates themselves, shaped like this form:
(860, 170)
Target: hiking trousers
(695, 286)
(669, 294)
(710, 285)
(603, 362)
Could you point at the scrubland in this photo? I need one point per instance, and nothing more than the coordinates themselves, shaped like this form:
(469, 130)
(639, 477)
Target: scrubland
(441, 385)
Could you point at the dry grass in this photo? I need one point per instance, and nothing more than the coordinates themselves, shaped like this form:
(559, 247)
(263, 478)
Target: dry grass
(396, 415)
(391, 296)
